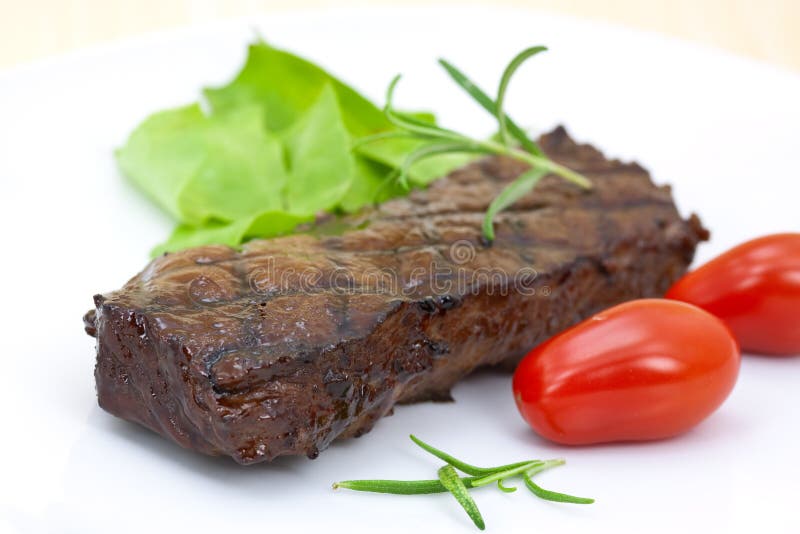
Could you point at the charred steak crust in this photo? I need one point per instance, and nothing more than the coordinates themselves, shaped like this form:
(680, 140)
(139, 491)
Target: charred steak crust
(293, 342)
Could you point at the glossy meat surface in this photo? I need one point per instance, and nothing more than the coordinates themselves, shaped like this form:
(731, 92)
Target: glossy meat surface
(292, 342)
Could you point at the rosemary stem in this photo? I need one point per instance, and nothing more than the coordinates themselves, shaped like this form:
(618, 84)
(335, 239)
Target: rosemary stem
(547, 464)
(500, 475)
(538, 162)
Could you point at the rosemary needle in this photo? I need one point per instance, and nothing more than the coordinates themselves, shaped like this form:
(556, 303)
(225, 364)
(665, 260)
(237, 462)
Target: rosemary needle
(399, 487)
(547, 494)
(460, 465)
(451, 481)
(553, 495)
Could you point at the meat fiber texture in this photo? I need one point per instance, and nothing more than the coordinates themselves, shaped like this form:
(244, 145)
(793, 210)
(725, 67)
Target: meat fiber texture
(290, 343)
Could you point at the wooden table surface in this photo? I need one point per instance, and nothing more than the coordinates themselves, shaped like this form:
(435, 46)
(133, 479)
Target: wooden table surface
(32, 29)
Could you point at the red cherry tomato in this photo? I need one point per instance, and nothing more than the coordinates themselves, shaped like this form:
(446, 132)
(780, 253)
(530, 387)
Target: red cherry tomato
(646, 369)
(755, 289)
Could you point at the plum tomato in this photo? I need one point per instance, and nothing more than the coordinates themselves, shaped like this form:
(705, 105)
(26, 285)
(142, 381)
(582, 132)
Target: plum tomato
(646, 369)
(755, 289)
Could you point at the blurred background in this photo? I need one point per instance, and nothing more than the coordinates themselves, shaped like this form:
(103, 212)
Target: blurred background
(34, 29)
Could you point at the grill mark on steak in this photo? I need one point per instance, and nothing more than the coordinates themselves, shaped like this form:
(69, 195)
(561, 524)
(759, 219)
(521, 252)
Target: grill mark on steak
(209, 348)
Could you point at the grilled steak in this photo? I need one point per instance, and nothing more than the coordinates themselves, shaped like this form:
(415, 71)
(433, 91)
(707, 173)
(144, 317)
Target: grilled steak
(290, 343)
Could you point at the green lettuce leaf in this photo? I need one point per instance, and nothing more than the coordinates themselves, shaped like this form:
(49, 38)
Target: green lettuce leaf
(191, 164)
(370, 186)
(266, 224)
(318, 157)
(285, 85)
(273, 150)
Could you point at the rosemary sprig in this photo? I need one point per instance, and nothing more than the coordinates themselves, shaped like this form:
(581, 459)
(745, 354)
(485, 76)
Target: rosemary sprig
(444, 141)
(458, 486)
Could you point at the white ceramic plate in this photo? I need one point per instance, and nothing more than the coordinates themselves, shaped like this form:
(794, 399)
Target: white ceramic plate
(725, 131)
